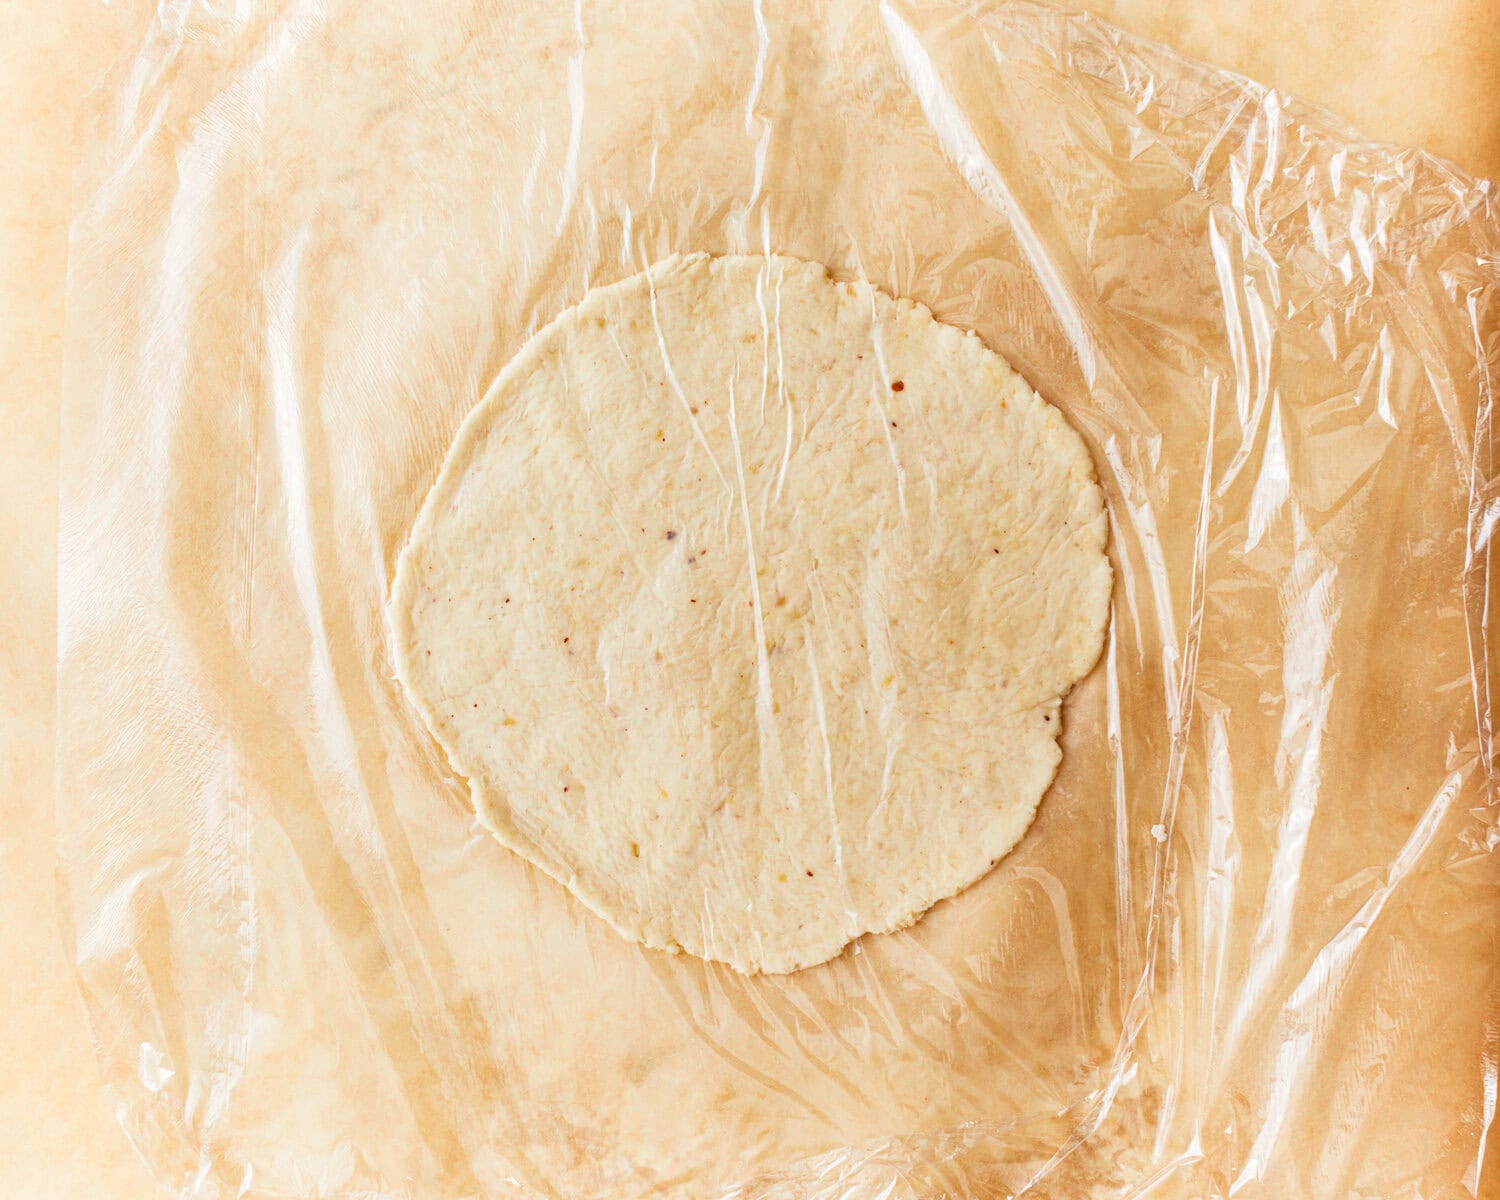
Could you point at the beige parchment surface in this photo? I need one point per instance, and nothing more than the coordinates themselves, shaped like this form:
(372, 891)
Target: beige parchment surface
(1421, 74)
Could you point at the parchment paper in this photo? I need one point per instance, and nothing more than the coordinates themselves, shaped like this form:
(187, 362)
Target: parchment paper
(1249, 947)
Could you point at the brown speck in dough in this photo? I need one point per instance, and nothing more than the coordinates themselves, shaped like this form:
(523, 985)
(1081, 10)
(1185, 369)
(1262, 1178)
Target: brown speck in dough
(809, 874)
(671, 535)
(898, 386)
(635, 850)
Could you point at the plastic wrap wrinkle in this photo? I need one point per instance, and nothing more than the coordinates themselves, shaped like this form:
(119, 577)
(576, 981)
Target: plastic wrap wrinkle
(1248, 947)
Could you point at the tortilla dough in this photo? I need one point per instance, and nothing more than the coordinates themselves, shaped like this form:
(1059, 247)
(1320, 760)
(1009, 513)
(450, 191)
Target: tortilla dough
(746, 599)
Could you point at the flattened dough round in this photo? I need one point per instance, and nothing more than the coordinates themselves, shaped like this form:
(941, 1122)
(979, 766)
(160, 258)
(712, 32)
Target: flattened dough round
(746, 600)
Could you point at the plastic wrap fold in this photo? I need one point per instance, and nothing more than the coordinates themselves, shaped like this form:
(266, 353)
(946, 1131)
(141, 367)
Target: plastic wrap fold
(1249, 947)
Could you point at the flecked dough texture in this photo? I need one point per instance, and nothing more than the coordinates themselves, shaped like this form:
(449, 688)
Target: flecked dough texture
(746, 600)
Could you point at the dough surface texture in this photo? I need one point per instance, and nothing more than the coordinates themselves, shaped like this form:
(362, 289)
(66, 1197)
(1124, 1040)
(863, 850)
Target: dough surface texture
(746, 600)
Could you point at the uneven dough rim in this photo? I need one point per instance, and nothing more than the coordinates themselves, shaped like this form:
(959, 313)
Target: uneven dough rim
(456, 458)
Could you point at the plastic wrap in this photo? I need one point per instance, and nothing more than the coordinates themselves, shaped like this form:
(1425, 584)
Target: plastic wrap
(1248, 948)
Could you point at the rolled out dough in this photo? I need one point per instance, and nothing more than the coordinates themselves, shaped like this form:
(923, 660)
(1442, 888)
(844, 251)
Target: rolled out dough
(746, 600)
